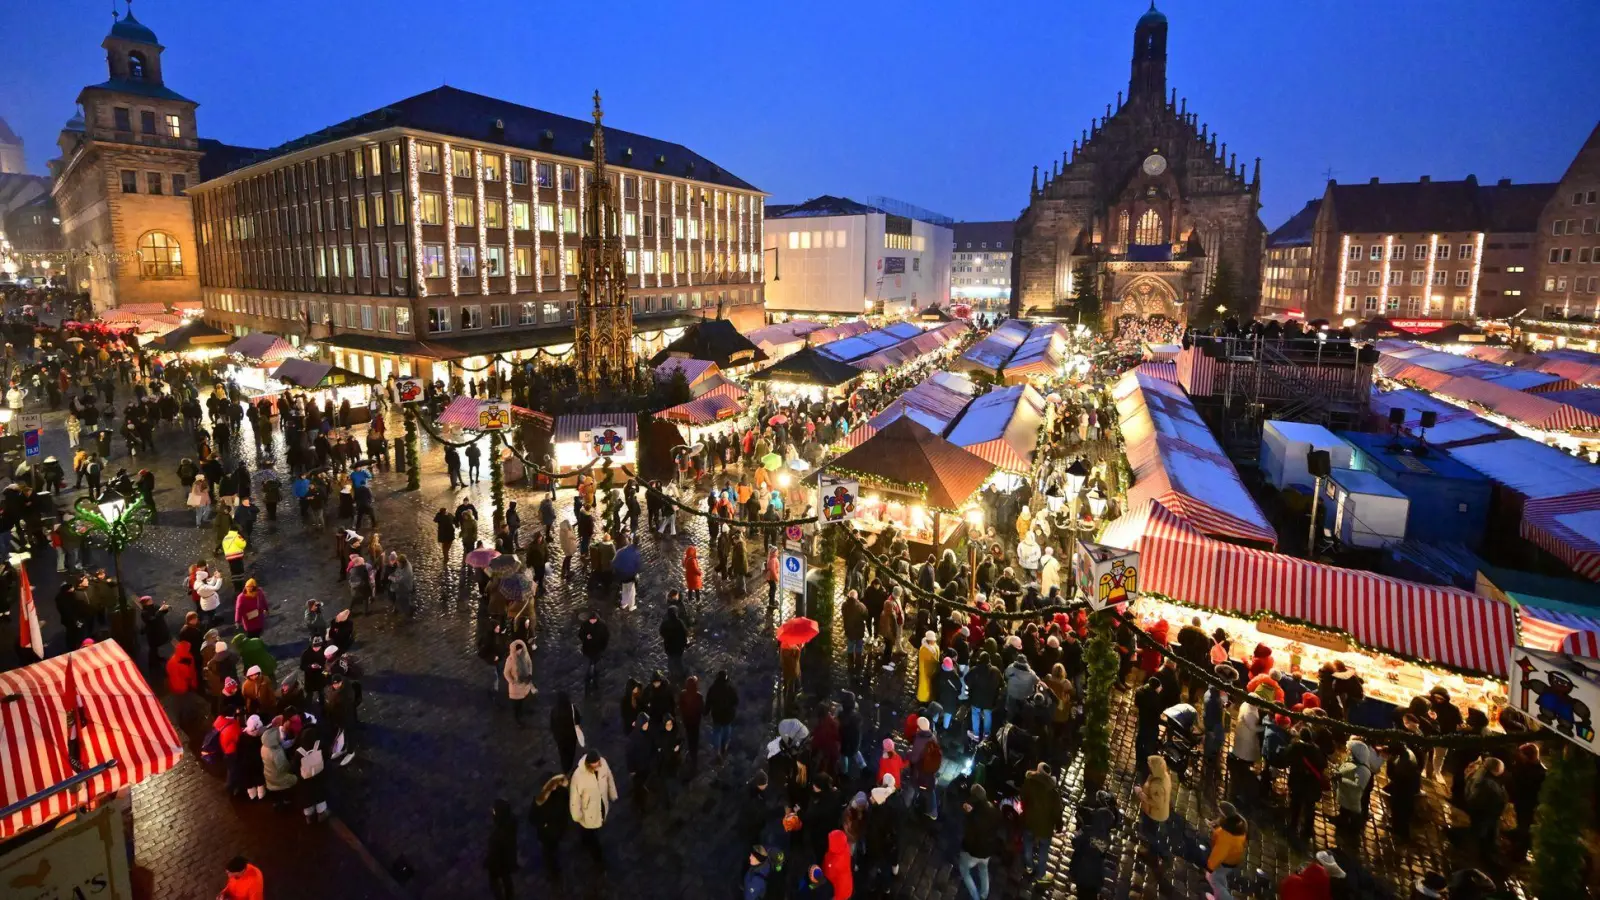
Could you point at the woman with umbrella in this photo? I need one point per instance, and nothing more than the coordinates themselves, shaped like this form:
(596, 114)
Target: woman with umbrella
(792, 635)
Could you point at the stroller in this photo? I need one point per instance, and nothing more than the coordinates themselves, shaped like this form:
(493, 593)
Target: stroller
(1179, 740)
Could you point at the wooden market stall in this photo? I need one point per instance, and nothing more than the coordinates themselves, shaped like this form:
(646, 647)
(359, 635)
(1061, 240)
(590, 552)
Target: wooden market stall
(918, 481)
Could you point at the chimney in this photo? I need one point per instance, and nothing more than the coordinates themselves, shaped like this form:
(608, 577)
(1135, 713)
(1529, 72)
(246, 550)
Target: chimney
(1504, 182)
(1425, 179)
(1374, 180)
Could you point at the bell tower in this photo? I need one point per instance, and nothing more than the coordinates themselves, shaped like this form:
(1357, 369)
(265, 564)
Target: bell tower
(1149, 80)
(132, 51)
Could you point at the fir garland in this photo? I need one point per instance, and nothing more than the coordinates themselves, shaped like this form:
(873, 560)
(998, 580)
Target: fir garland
(497, 481)
(1560, 857)
(414, 473)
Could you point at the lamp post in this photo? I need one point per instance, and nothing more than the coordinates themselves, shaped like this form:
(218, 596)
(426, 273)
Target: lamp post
(115, 524)
(1097, 503)
(1077, 474)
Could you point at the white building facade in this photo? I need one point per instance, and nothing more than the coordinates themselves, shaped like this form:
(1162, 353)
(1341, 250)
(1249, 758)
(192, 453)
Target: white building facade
(834, 256)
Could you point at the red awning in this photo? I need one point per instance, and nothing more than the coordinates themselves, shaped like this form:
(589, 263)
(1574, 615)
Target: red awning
(124, 722)
(1568, 527)
(1441, 624)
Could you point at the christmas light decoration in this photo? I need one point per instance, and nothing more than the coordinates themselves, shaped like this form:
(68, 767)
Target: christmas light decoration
(538, 264)
(483, 223)
(1433, 254)
(1477, 266)
(511, 226)
(657, 195)
(450, 219)
(419, 275)
(1388, 253)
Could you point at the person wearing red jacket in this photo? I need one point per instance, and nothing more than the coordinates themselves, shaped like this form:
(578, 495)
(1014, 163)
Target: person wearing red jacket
(693, 577)
(891, 763)
(181, 676)
(836, 865)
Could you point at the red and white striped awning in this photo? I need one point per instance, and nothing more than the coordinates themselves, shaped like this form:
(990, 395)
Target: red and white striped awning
(462, 412)
(124, 722)
(1444, 625)
(1568, 527)
(1558, 632)
(1533, 410)
(721, 402)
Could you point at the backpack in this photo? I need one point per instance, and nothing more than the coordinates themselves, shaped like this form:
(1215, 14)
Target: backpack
(1219, 654)
(932, 758)
(211, 748)
(311, 761)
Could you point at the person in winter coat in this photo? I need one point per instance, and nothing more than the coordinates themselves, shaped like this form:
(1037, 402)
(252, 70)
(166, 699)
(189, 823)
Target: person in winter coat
(1307, 768)
(984, 682)
(1049, 571)
(1524, 779)
(1088, 867)
(1021, 683)
(1041, 819)
(182, 676)
(250, 609)
(1310, 883)
(590, 796)
(693, 577)
(550, 818)
(641, 758)
(1403, 787)
(278, 776)
(246, 770)
(501, 858)
(891, 623)
(927, 667)
(1260, 661)
(722, 701)
(1155, 808)
(1229, 834)
(754, 885)
(1485, 804)
(982, 838)
(518, 672)
(565, 722)
(691, 710)
(836, 866)
(770, 570)
(674, 641)
(948, 688)
(1028, 556)
(1351, 781)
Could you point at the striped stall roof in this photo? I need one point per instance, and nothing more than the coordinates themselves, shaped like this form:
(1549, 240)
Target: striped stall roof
(1445, 625)
(1587, 374)
(1568, 527)
(1558, 631)
(1530, 468)
(1166, 371)
(568, 427)
(1002, 426)
(462, 412)
(124, 722)
(993, 352)
(1535, 410)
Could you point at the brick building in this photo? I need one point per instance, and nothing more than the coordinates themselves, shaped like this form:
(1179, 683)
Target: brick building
(1568, 252)
(445, 227)
(1420, 249)
(12, 161)
(1147, 198)
(127, 159)
(980, 264)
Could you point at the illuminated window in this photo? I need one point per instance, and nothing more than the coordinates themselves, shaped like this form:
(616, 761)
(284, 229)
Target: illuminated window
(428, 158)
(461, 163)
(160, 256)
(432, 208)
(494, 213)
(1150, 229)
(433, 261)
(466, 261)
(174, 126)
(465, 211)
(491, 167)
(522, 261)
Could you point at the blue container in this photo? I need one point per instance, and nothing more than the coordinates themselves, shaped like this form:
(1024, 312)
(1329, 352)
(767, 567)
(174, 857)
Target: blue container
(1449, 500)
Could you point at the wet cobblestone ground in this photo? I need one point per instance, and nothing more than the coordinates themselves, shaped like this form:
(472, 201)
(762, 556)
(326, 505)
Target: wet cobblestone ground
(438, 745)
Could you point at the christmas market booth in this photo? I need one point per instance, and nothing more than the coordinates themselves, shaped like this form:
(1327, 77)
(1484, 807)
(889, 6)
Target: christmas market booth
(916, 481)
(195, 341)
(77, 731)
(809, 375)
(1003, 426)
(321, 381)
(581, 439)
(527, 428)
(254, 357)
(1401, 638)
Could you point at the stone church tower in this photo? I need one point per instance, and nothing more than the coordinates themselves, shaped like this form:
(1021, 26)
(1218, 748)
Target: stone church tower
(1147, 199)
(127, 161)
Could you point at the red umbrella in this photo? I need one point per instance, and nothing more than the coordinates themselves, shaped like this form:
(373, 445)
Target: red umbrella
(797, 631)
(778, 419)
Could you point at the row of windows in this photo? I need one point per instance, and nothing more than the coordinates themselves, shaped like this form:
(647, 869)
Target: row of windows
(635, 262)
(999, 267)
(385, 319)
(1418, 276)
(634, 187)
(982, 257)
(348, 261)
(1374, 252)
(1564, 255)
(1580, 285)
(1582, 197)
(913, 242)
(818, 240)
(1560, 227)
(999, 281)
(984, 245)
(168, 125)
(1412, 304)
(445, 319)
(152, 182)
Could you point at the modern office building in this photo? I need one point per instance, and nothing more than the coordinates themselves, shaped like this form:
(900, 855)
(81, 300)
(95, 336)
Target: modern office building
(446, 227)
(980, 264)
(835, 256)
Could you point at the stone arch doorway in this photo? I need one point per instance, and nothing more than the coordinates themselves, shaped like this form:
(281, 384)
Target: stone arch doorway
(1146, 296)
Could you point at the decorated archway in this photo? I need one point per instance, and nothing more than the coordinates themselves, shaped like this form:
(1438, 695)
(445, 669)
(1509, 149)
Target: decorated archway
(1145, 296)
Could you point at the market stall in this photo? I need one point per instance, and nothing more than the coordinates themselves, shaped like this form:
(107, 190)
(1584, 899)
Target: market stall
(808, 375)
(321, 381)
(196, 340)
(1002, 426)
(921, 483)
(934, 403)
(992, 353)
(1177, 461)
(255, 356)
(1569, 528)
(582, 438)
(123, 734)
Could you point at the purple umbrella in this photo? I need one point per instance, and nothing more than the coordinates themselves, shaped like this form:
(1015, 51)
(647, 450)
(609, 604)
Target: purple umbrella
(480, 557)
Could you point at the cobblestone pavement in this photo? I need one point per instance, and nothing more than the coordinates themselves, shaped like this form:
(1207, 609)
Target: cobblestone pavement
(438, 745)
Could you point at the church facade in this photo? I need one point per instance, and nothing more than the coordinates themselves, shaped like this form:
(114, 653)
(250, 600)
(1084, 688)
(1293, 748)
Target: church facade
(1146, 201)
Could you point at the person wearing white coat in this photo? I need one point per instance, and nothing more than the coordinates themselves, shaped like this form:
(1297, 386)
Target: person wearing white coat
(589, 799)
(1028, 555)
(1049, 571)
(208, 587)
(519, 677)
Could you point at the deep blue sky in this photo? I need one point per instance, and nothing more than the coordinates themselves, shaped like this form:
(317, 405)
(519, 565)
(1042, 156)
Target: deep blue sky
(944, 104)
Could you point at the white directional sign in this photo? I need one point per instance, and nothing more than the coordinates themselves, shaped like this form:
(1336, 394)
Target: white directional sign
(792, 572)
(30, 422)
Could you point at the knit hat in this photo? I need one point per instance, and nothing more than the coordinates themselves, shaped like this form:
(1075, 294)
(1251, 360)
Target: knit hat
(253, 725)
(923, 724)
(330, 651)
(1052, 641)
(220, 646)
(882, 793)
(949, 664)
(888, 745)
(253, 671)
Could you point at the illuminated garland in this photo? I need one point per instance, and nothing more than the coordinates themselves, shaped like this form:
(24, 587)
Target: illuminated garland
(421, 274)
(447, 162)
(911, 487)
(508, 219)
(675, 234)
(657, 195)
(538, 261)
(483, 222)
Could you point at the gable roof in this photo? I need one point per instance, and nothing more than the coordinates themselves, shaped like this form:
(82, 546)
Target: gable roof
(825, 205)
(905, 452)
(1408, 207)
(1514, 207)
(808, 365)
(1297, 231)
(715, 340)
(983, 235)
(7, 136)
(463, 114)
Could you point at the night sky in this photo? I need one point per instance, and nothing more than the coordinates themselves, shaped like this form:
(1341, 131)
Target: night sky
(943, 104)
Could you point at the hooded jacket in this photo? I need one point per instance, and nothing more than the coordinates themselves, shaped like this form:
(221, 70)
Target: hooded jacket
(1354, 774)
(836, 865)
(181, 675)
(1021, 681)
(519, 671)
(1227, 842)
(1155, 799)
(275, 762)
(591, 794)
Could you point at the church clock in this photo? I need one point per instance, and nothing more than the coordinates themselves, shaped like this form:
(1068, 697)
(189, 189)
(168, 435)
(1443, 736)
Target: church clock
(1155, 164)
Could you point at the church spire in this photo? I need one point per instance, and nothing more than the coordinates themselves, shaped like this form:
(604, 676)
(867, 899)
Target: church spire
(1149, 79)
(1033, 190)
(599, 139)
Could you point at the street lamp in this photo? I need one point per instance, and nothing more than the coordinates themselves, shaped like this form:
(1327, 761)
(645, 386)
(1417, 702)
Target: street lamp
(1097, 503)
